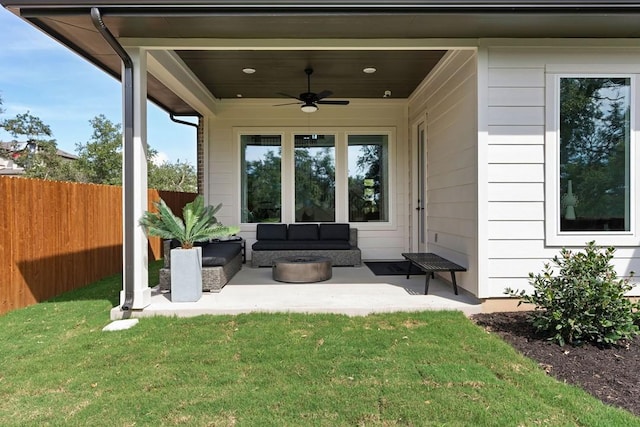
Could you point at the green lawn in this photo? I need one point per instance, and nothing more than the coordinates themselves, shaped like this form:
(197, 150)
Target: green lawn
(434, 368)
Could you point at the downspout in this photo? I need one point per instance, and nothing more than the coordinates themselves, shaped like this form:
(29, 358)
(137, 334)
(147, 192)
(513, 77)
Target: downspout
(129, 220)
(183, 122)
(199, 149)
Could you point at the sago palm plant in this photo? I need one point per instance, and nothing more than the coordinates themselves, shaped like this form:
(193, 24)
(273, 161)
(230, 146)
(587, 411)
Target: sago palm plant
(199, 223)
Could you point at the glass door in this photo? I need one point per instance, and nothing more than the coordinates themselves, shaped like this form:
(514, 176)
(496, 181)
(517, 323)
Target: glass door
(421, 203)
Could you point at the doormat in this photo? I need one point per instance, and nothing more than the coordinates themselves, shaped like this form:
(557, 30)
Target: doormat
(392, 268)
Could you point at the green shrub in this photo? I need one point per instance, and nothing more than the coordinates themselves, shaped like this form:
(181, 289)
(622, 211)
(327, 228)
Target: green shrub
(583, 301)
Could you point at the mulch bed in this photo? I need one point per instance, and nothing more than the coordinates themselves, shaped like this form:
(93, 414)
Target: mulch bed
(610, 374)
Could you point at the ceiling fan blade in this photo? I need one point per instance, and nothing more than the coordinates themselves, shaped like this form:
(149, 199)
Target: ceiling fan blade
(289, 96)
(332, 102)
(288, 103)
(324, 94)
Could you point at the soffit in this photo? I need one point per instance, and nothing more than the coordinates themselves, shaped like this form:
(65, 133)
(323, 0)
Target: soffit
(339, 71)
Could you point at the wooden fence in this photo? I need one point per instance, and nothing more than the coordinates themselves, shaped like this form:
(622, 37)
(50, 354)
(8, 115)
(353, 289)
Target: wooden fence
(59, 236)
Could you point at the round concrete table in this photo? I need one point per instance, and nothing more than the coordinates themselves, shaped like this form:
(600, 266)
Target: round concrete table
(301, 269)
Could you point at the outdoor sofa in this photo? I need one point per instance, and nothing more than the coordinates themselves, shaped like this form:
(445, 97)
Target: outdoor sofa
(220, 262)
(338, 242)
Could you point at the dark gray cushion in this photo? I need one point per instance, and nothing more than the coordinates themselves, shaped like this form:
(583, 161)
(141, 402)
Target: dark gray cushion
(334, 232)
(271, 232)
(300, 245)
(218, 254)
(303, 232)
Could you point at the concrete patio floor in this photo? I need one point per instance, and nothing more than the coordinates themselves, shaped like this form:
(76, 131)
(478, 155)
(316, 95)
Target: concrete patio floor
(353, 291)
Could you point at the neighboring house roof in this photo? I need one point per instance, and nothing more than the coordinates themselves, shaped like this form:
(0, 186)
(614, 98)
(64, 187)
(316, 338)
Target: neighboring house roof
(452, 23)
(11, 146)
(66, 155)
(9, 167)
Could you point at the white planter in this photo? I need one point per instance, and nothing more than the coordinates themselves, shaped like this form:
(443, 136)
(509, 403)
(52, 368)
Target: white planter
(186, 274)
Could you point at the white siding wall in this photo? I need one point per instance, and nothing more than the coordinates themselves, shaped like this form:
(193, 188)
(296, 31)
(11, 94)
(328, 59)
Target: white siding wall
(448, 100)
(377, 241)
(515, 152)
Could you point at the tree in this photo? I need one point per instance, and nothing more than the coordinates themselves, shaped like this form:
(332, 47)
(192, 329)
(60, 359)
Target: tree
(100, 159)
(178, 176)
(315, 184)
(39, 156)
(263, 189)
(3, 151)
(27, 125)
(367, 192)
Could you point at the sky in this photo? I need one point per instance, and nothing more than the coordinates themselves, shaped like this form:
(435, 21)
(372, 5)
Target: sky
(40, 76)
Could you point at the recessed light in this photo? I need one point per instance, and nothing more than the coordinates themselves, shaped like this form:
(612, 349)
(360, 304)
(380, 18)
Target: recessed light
(248, 70)
(239, 95)
(369, 70)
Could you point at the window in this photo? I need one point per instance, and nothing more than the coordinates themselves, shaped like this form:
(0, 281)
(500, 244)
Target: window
(315, 178)
(308, 175)
(594, 148)
(590, 155)
(368, 162)
(261, 178)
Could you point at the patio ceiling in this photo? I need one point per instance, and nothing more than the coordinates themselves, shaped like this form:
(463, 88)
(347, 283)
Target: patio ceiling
(340, 71)
(283, 71)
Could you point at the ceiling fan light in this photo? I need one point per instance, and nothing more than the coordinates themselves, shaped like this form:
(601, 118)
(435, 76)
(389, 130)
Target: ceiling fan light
(309, 108)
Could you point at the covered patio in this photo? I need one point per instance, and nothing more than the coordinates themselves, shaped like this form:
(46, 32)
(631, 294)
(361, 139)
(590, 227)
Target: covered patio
(445, 114)
(353, 291)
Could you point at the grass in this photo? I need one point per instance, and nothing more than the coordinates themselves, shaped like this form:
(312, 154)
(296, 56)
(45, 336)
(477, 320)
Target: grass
(432, 368)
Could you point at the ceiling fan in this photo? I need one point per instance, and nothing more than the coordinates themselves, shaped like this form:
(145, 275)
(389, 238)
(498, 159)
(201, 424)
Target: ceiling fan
(310, 100)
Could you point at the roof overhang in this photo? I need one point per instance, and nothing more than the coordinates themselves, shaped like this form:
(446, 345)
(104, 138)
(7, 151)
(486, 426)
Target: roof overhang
(212, 40)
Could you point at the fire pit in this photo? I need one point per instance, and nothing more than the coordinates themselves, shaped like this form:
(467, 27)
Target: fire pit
(301, 269)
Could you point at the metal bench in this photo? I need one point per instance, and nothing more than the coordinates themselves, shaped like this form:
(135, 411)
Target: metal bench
(430, 263)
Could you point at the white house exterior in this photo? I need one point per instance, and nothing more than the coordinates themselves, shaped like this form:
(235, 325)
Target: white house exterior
(487, 120)
(519, 161)
(479, 136)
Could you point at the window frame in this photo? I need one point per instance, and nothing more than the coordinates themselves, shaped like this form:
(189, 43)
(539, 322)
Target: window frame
(390, 174)
(336, 180)
(242, 169)
(287, 171)
(553, 235)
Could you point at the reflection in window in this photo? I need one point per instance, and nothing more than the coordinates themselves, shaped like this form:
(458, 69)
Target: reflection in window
(315, 178)
(261, 178)
(594, 154)
(368, 158)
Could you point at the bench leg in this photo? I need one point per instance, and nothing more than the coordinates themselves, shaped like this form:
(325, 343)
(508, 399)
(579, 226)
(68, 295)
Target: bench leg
(453, 280)
(426, 282)
(409, 268)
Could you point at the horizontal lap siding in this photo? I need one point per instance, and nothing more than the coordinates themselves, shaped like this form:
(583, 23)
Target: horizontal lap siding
(516, 150)
(506, 172)
(515, 154)
(510, 211)
(515, 173)
(448, 100)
